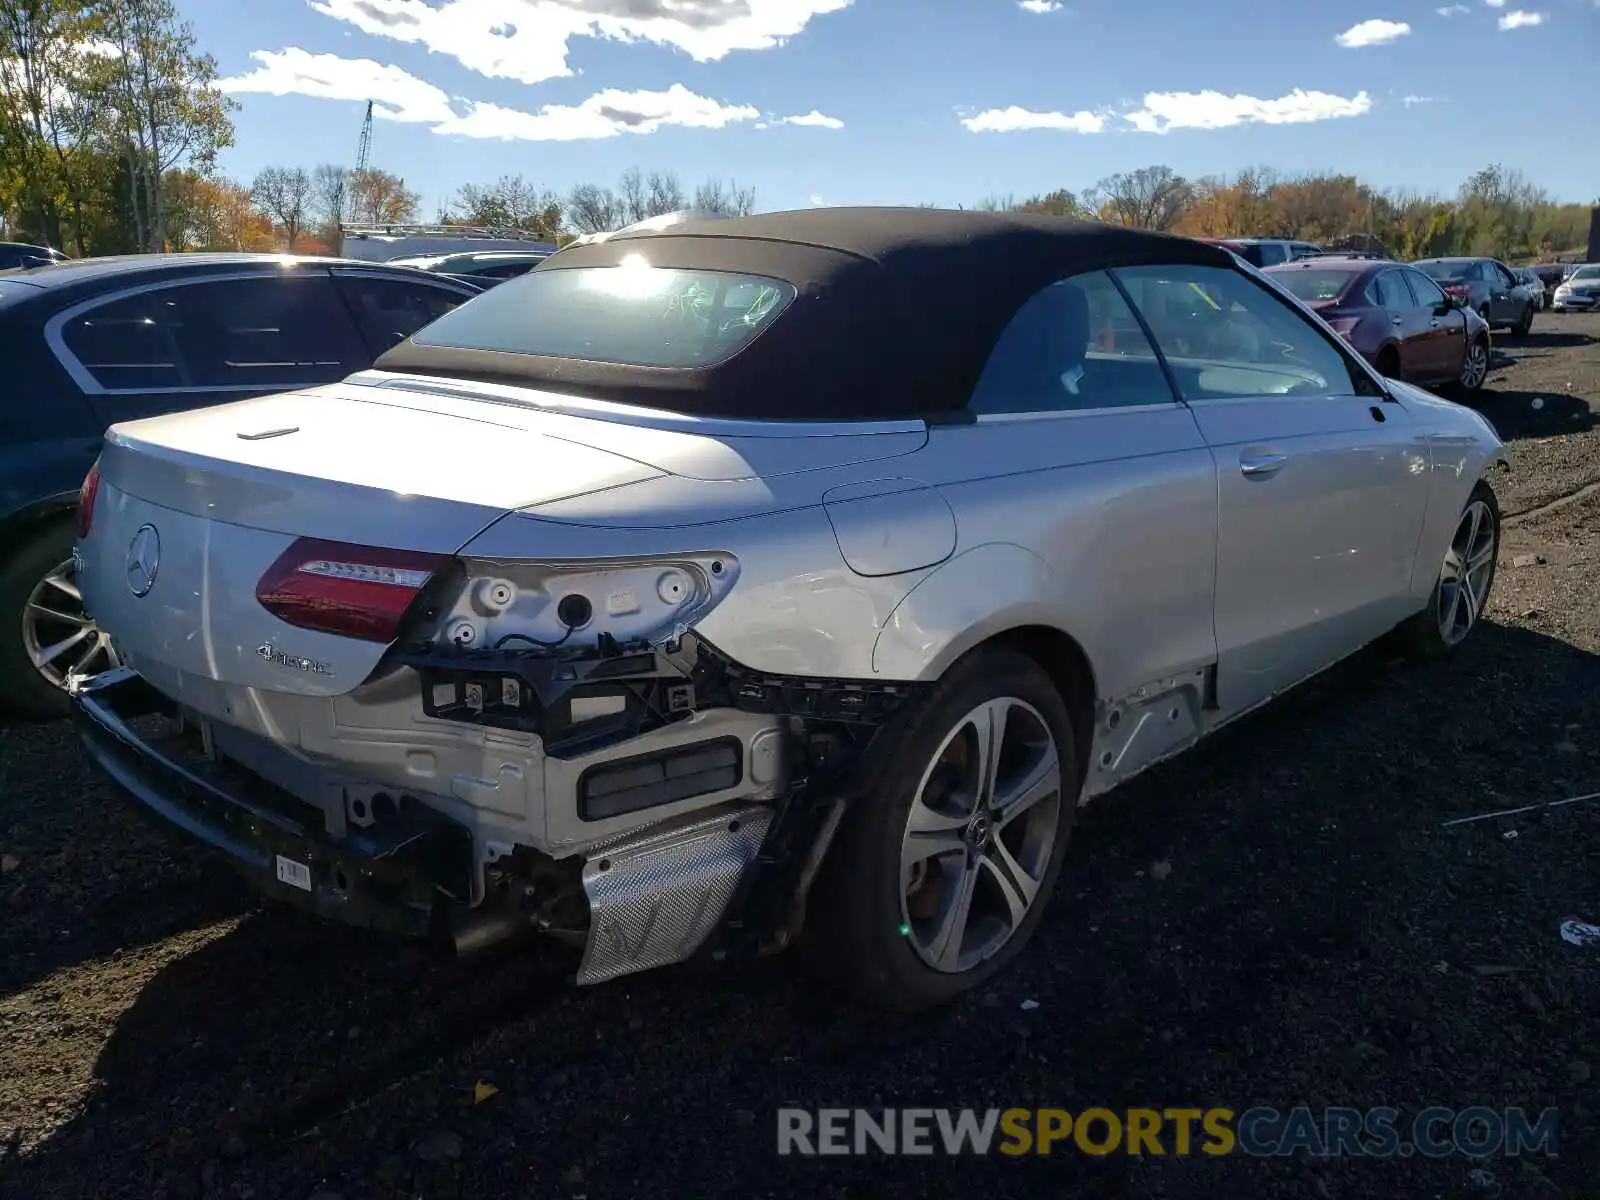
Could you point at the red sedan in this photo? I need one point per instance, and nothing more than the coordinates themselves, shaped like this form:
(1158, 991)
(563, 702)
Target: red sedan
(1395, 316)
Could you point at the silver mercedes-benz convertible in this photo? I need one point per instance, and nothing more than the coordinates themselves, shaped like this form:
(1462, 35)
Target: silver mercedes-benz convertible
(792, 578)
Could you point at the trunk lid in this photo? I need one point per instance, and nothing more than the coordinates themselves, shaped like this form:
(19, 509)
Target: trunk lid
(335, 463)
(225, 491)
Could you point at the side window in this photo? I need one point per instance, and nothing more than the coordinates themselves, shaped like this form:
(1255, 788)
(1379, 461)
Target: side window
(1389, 291)
(266, 332)
(1272, 253)
(1427, 292)
(1224, 336)
(126, 344)
(388, 311)
(1074, 344)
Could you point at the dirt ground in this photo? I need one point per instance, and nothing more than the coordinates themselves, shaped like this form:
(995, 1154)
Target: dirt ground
(1320, 938)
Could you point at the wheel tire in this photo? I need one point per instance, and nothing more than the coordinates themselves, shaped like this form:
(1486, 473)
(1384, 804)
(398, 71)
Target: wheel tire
(858, 933)
(1423, 636)
(1474, 368)
(1525, 326)
(1387, 363)
(24, 690)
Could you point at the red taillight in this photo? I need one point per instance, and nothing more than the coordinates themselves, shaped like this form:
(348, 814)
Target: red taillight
(355, 591)
(1455, 289)
(86, 495)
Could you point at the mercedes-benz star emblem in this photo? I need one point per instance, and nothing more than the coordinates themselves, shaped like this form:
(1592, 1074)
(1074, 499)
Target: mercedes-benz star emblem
(144, 560)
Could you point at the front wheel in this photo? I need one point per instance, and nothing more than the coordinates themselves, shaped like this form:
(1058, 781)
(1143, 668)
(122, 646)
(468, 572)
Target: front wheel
(1466, 577)
(1525, 326)
(942, 871)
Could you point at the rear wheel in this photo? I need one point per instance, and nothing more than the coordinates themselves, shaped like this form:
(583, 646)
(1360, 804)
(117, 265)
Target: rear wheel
(941, 873)
(45, 634)
(1387, 363)
(1475, 366)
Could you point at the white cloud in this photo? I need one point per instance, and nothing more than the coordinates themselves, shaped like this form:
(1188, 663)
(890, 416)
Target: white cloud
(1520, 20)
(1453, 10)
(817, 201)
(814, 118)
(527, 40)
(1163, 111)
(396, 95)
(1372, 33)
(1010, 120)
(1039, 6)
(400, 96)
(1412, 101)
(1495, 3)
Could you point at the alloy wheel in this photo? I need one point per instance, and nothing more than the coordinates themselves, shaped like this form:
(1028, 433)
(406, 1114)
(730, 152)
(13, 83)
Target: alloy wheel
(60, 637)
(980, 834)
(1464, 580)
(1475, 367)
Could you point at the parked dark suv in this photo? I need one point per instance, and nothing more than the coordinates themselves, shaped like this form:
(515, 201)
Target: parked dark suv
(1487, 286)
(87, 343)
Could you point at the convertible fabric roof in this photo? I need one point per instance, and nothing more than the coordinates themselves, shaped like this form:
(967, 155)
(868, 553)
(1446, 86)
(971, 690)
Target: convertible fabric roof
(897, 312)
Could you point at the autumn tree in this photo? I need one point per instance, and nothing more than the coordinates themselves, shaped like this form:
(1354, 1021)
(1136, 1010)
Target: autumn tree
(162, 104)
(511, 202)
(330, 188)
(49, 120)
(283, 194)
(724, 199)
(594, 209)
(1149, 198)
(379, 198)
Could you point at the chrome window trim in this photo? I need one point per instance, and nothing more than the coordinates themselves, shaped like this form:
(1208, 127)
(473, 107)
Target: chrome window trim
(1054, 414)
(90, 386)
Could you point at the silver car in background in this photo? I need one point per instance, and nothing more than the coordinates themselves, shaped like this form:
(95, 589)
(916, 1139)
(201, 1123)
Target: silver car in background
(793, 578)
(1579, 291)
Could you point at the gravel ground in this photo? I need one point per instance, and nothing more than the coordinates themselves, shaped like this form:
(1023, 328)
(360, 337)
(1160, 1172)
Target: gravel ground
(1277, 918)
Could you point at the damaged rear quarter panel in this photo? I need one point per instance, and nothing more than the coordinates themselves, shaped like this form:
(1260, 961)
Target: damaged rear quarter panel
(798, 609)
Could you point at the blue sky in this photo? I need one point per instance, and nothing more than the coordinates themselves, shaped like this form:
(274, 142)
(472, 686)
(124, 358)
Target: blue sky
(904, 101)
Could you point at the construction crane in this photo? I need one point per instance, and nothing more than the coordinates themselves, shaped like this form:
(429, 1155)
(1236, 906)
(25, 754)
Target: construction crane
(363, 155)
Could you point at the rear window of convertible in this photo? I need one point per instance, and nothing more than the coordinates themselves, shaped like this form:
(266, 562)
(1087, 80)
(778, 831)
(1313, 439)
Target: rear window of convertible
(632, 314)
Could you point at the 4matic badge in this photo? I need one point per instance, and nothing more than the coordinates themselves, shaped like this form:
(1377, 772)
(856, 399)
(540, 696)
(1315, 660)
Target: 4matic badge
(308, 666)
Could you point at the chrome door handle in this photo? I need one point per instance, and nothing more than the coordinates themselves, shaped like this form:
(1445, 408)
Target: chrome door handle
(1261, 464)
(1433, 324)
(1396, 320)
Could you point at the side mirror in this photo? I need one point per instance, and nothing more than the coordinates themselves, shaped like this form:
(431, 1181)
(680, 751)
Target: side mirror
(1444, 308)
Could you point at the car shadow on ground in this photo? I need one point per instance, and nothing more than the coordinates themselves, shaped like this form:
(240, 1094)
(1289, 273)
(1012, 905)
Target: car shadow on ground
(1277, 918)
(1545, 340)
(1517, 416)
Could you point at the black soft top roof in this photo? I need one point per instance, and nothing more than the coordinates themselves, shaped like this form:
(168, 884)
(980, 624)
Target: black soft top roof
(897, 311)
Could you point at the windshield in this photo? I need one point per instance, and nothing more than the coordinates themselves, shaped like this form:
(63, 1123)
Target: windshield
(1586, 273)
(632, 314)
(1313, 286)
(1443, 270)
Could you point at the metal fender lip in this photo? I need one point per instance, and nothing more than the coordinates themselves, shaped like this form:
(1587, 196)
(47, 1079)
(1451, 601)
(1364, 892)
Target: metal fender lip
(954, 608)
